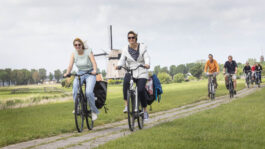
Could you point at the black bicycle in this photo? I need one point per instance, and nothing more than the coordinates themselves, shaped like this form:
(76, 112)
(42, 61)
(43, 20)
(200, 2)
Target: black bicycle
(231, 86)
(248, 78)
(211, 86)
(134, 106)
(258, 79)
(82, 109)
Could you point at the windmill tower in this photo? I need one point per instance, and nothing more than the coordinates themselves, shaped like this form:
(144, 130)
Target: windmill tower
(113, 58)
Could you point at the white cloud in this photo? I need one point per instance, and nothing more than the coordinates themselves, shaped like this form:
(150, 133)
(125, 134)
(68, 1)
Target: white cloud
(39, 33)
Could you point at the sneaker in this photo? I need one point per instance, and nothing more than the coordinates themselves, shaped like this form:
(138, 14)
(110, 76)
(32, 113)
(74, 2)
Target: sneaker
(125, 110)
(146, 116)
(94, 116)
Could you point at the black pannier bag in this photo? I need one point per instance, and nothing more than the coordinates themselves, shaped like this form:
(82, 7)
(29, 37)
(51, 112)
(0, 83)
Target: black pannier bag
(100, 92)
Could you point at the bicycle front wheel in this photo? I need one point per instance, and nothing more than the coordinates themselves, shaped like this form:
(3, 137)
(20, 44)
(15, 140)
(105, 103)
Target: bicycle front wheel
(140, 117)
(79, 113)
(130, 108)
(89, 121)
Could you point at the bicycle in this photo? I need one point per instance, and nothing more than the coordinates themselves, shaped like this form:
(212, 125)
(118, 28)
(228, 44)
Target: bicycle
(258, 79)
(134, 109)
(82, 109)
(248, 78)
(211, 87)
(231, 86)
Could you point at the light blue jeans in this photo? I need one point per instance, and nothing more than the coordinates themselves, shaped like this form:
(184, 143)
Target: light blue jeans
(90, 84)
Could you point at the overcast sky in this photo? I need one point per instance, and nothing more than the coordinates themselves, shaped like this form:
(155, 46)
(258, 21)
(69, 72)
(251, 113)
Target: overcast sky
(39, 33)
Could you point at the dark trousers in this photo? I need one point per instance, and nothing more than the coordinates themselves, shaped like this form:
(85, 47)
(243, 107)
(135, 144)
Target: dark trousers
(140, 83)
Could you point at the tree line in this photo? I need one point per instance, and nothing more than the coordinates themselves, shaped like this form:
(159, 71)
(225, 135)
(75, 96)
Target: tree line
(34, 76)
(25, 76)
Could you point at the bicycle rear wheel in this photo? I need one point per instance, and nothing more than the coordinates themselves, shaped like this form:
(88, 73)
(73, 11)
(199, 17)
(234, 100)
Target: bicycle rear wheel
(89, 121)
(140, 117)
(130, 108)
(79, 113)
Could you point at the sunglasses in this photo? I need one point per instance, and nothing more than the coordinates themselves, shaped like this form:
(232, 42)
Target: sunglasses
(131, 38)
(77, 45)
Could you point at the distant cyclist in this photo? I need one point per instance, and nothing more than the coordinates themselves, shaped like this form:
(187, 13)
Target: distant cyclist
(213, 68)
(84, 60)
(253, 72)
(133, 55)
(247, 69)
(230, 68)
(259, 69)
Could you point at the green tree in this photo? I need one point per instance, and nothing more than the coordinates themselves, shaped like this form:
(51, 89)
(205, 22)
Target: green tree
(179, 77)
(42, 74)
(164, 77)
(3, 76)
(182, 69)
(164, 69)
(197, 70)
(57, 75)
(157, 69)
(50, 76)
(172, 70)
(8, 77)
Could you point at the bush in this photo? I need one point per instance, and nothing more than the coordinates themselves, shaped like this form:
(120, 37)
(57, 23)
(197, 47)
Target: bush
(191, 78)
(164, 77)
(179, 77)
(111, 81)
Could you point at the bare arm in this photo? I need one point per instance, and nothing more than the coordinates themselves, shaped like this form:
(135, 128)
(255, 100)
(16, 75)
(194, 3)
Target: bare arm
(70, 67)
(93, 61)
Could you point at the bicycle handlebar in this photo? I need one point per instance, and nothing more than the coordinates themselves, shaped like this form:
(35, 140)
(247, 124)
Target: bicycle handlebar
(77, 75)
(128, 69)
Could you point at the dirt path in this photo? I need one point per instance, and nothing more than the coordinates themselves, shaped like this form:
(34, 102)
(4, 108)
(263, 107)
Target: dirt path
(102, 134)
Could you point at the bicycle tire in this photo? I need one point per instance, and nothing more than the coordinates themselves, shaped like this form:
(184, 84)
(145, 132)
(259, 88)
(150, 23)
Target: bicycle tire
(130, 108)
(140, 118)
(89, 121)
(79, 114)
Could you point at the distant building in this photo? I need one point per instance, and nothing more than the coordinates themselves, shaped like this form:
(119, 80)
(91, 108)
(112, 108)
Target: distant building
(113, 59)
(261, 58)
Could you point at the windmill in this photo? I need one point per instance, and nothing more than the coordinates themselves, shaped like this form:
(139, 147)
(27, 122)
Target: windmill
(113, 57)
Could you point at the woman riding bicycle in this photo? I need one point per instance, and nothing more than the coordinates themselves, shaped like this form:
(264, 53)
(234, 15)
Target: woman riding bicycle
(85, 62)
(133, 55)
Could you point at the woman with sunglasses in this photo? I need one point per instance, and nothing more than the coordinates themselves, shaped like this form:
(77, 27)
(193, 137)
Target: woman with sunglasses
(133, 55)
(85, 62)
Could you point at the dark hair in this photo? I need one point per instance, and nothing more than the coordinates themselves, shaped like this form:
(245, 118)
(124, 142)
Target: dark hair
(135, 35)
(210, 55)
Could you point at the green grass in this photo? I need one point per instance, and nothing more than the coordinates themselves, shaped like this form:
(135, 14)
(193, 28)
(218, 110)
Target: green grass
(237, 125)
(40, 121)
(13, 95)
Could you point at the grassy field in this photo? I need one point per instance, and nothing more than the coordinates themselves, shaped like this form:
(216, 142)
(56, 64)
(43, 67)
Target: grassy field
(237, 125)
(13, 95)
(40, 121)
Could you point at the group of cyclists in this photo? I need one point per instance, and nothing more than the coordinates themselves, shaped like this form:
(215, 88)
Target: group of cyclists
(133, 55)
(230, 68)
(254, 72)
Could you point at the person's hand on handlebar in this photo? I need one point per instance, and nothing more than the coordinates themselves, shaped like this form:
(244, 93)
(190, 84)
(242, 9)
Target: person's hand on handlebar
(65, 74)
(118, 67)
(146, 66)
(93, 72)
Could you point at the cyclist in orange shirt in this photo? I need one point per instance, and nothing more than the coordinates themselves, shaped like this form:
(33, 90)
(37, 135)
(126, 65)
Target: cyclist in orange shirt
(213, 69)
